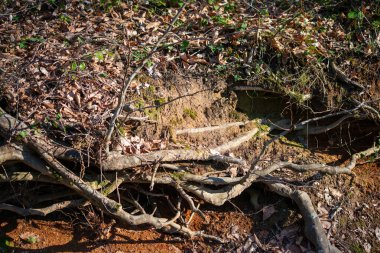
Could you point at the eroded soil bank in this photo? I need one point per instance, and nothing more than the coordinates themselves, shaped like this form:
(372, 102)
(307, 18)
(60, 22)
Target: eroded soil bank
(258, 220)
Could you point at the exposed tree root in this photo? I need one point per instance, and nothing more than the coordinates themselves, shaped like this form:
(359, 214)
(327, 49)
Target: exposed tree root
(209, 129)
(41, 154)
(42, 211)
(313, 227)
(116, 161)
(342, 77)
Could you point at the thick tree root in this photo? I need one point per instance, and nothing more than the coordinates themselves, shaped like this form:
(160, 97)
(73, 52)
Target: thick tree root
(116, 161)
(211, 128)
(313, 227)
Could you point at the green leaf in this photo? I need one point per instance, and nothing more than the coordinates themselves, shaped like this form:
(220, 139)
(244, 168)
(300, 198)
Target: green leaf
(32, 239)
(23, 134)
(82, 66)
(9, 243)
(22, 44)
(185, 44)
(74, 66)
(99, 56)
(237, 77)
(243, 26)
(360, 15)
(376, 24)
(352, 15)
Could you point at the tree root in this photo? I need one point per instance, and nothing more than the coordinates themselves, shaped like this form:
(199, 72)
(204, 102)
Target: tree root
(42, 211)
(53, 171)
(313, 227)
(116, 161)
(209, 129)
(342, 77)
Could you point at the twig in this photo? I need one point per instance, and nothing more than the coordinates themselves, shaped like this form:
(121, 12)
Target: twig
(153, 176)
(184, 195)
(192, 215)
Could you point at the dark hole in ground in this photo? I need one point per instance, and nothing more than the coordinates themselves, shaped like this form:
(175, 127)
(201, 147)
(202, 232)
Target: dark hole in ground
(351, 136)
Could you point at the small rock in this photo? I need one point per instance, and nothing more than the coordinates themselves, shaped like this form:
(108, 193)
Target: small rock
(367, 247)
(377, 233)
(335, 193)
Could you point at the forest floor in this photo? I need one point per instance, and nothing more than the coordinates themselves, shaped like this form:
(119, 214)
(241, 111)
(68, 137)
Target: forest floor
(63, 65)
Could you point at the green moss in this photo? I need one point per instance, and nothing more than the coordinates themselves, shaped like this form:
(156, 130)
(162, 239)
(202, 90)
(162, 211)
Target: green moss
(140, 104)
(264, 128)
(190, 113)
(235, 115)
(343, 220)
(357, 248)
(153, 113)
(159, 101)
(286, 141)
(177, 175)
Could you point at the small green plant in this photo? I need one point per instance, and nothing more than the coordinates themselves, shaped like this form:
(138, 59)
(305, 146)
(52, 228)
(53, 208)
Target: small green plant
(140, 104)
(221, 20)
(204, 22)
(357, 16)
(357, 248)
(243, 27)
(32, 239)
(99, 55)
(159, 101)
(16, 18)
(229, 7)
(22, 134)
(108, 5)
(82, 66)
(237, 77)
(221, 68)
(139, 55)
(178, 23)
(190, 113)
(75, 66)
(215, 48)
(376, 24)
(5, 244)
(66, 43)
(184, 45)
(24, 43)
(65, 18)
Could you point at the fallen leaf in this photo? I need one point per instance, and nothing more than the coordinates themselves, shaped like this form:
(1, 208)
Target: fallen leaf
(268, 211)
